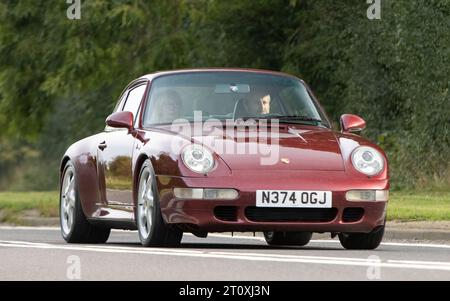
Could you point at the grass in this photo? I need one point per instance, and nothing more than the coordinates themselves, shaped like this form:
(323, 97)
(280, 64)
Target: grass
(403, 205)
(16, 204)
(419, 206)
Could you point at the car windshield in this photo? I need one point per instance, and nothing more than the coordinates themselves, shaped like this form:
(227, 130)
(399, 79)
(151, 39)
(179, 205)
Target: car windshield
(230, 95)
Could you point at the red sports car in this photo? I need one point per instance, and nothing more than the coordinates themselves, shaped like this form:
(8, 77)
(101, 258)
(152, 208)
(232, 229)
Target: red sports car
(222, 150)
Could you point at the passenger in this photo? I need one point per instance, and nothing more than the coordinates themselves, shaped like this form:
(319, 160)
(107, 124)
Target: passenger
(167, 107)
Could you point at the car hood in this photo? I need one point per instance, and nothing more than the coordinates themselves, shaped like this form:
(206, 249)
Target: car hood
(294, 147)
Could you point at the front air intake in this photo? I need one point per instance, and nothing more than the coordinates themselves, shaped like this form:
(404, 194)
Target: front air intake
(226, 213)
(352, 214)
(310, 215)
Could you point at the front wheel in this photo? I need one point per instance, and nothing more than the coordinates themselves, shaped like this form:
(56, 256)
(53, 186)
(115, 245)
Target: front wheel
(75, 228)
(362, 241)
(152, 229)
(287, 238)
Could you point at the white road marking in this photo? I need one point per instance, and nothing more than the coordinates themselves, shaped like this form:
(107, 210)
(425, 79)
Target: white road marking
(415, 245)
(293, 256)
(397, 244)
(51, 228)
(29, 228)
(258, 238)
(424, 245)
(173, 250)
(422, 265)
(420, 262)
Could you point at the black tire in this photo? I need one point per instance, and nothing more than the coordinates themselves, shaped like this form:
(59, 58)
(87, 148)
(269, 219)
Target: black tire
(287, 238)
(362, 241)
(159, 233)
(80, 230)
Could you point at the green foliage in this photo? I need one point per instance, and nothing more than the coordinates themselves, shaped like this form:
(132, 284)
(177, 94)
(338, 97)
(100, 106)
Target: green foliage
(60, 78)
(393, 72)
(245, 33)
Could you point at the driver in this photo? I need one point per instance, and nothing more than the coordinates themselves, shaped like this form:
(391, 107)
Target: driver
(258, 105)
(265, 102)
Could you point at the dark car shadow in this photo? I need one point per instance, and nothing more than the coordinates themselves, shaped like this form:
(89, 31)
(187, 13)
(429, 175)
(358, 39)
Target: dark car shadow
(250, 247)
(231, 246)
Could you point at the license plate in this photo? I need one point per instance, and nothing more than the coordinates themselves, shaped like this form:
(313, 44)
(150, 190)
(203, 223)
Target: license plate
(293, 199)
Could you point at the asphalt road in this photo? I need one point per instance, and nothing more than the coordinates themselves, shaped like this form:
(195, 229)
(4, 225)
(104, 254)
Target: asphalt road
(41, 254)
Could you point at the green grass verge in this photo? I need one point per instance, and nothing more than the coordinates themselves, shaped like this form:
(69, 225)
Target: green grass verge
(403, 206)
(419, 206)
(16, 204)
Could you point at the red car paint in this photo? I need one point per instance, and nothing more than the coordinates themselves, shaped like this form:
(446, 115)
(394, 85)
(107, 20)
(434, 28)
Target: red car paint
(322, 163)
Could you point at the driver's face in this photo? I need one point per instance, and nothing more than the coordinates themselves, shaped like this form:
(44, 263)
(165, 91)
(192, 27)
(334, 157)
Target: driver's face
(265, 101)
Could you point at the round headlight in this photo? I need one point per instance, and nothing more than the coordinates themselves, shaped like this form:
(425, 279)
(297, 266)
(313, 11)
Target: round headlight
(367, 160)
(197, 158)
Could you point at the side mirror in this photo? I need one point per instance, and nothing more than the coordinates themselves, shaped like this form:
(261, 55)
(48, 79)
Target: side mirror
(352, 123)
(120, 120)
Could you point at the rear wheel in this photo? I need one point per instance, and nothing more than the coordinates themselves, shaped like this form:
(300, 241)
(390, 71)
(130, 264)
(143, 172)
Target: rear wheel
(152, 229)
(362, 241)
(74, 226)
(287, 238)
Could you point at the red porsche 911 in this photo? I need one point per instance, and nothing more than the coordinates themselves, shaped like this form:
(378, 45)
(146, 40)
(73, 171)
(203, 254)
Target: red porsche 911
(224, 150)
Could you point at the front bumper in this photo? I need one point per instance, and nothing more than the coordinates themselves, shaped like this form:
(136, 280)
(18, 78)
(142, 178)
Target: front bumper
(241, 214)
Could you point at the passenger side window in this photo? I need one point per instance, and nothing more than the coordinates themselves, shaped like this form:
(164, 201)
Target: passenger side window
(134, 100)
(296, 101)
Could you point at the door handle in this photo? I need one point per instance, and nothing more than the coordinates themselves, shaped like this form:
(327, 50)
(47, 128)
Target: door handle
(102, 145)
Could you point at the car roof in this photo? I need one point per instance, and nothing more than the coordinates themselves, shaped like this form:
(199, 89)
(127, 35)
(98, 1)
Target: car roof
(151, 76)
